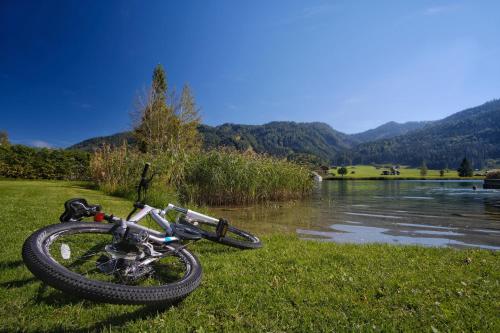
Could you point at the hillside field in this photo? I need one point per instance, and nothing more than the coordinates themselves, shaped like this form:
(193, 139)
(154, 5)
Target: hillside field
(288, 285)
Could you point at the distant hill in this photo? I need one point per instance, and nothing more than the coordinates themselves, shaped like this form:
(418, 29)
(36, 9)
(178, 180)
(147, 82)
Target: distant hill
(474, 133)
(279, 138)
(389, 130)
(284, 139)
(114, 140)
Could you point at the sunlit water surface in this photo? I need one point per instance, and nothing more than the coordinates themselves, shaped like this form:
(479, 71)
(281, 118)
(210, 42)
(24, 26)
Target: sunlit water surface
(429, 213)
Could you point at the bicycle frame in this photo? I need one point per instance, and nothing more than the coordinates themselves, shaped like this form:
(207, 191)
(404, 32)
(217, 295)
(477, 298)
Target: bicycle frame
(159, 217)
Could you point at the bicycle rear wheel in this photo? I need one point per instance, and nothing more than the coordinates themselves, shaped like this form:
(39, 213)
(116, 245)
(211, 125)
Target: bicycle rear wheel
(75, 258)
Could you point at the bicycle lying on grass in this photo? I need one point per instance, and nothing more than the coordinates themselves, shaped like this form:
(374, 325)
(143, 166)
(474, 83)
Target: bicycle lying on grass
(125, 262)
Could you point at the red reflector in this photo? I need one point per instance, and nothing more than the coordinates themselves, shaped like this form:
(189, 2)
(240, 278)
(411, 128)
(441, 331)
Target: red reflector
(99, 217)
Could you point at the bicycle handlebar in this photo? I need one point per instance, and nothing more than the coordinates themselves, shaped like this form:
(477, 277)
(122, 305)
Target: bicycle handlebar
(143, 186)
(145, 170)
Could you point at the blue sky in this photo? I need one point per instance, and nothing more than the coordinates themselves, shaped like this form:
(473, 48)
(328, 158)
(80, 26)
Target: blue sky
(70, 70)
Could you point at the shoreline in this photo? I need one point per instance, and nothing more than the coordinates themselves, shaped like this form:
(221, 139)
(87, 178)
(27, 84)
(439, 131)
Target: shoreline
(404, 178)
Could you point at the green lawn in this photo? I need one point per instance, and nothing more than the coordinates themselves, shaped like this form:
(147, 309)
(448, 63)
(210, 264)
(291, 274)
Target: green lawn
(289, 285)
(369, 171)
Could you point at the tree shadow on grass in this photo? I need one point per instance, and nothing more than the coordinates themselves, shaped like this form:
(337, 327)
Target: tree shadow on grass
(10, 264)
(85, 185)
(17, 283)
(56, 298)
(119, 320)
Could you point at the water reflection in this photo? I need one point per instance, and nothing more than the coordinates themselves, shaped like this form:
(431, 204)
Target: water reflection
(431, 213)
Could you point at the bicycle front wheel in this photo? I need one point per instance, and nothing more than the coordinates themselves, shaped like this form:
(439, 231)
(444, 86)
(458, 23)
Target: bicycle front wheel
(75, 258)
(234, 237)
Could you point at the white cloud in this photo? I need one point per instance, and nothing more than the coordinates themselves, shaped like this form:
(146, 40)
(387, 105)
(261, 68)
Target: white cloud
(436, 10)
(40, 144)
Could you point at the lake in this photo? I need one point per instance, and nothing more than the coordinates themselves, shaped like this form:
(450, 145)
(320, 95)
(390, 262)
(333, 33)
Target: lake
(429, 213)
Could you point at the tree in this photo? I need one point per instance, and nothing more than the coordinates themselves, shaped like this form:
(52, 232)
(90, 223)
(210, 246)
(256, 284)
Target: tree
(423, 169)
(441, 172)
(4, 139)
(342, 171)
(189, 120)
(465, 169)
(165, 122)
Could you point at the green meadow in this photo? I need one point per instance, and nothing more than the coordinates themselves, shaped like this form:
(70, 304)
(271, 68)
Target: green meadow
(288, 285)
(372, 172)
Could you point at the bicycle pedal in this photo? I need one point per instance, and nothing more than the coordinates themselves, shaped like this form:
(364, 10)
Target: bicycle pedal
(222, 227)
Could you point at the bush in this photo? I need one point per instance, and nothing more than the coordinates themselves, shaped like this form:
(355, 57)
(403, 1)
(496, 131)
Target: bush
(493, 174)
(18, 161)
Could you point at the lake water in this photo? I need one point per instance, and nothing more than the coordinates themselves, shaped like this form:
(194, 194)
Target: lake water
(429, 213)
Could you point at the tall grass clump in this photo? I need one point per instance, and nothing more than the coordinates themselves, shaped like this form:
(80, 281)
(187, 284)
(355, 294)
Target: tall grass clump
(116, 171)
(228, 177)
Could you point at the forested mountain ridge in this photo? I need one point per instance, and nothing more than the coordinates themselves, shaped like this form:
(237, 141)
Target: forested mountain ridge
(279, 138)
(94, 143)
(389, 130)
(474, 132)
(283, 139)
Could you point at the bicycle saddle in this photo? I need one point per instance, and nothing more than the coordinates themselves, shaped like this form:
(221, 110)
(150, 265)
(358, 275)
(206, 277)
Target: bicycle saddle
(76, 209)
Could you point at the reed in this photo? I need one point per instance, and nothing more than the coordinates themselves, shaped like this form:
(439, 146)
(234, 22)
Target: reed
(218, 177)
(228, 177)
(116, 171)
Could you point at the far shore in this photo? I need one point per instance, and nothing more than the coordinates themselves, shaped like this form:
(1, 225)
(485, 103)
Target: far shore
(475, 179)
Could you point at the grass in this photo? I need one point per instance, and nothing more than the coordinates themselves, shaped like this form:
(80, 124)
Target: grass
(289, 285)
(371, 172)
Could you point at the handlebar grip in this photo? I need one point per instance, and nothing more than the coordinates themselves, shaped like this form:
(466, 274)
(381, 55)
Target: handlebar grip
(145, 170)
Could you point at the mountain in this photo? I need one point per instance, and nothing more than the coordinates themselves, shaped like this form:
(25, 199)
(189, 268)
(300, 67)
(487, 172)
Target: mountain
(389, 130)
(114, 140)
(280, 138)
(284, 139)
(474, 133)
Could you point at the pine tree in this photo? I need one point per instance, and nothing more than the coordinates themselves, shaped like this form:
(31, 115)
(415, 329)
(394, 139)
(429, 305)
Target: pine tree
(465, 169)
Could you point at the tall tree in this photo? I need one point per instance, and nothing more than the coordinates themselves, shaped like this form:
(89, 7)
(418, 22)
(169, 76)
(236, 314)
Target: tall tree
(4, 139)
(165, 122)
(189, 119)
(342, 171)
(465, 169)
(423, 169)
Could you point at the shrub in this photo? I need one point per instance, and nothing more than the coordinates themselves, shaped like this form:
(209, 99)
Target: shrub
(493, 174)
(18, 161)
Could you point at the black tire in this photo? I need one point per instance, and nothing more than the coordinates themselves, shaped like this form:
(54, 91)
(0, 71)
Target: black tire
(39, 260)
(234, 237)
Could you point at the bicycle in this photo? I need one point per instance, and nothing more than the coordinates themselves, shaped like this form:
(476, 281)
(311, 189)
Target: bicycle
(124, 262)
